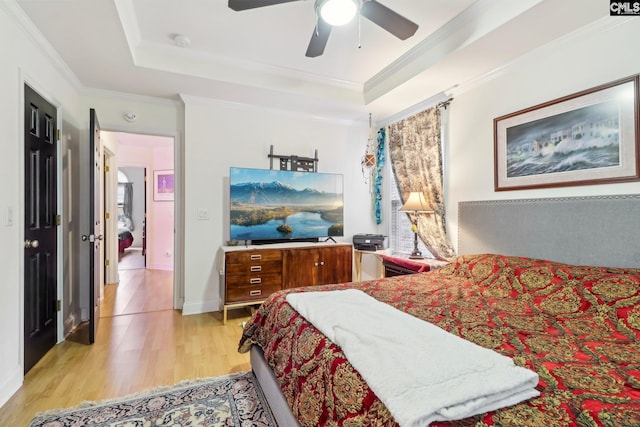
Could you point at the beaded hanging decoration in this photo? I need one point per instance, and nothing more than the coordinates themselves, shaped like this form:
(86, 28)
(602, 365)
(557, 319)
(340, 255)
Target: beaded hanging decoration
(377, 174)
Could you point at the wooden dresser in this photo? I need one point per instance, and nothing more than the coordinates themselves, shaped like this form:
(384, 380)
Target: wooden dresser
(252, 273)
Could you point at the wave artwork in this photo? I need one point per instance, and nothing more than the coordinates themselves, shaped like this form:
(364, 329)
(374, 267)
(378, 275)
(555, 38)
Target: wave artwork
(585, 138)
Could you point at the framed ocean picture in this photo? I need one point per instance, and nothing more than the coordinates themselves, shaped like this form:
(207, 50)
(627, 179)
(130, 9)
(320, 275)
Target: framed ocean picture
(586, 138)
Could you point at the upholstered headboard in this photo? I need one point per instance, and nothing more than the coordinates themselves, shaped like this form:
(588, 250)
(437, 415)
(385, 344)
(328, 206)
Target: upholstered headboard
(598, 230)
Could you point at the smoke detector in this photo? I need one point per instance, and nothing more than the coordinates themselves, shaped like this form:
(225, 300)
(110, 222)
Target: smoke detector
(180, 40)
(129, 116)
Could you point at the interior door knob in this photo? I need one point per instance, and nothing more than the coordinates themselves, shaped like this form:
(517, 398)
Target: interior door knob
(31, 244)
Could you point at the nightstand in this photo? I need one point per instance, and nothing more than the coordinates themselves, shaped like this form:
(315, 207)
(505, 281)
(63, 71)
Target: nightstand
(401, 264)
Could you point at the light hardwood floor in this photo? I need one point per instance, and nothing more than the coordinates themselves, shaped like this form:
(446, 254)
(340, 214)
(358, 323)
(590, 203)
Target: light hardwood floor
(141, 343)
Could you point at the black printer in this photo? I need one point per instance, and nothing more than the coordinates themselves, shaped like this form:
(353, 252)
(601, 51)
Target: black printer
(369, 242)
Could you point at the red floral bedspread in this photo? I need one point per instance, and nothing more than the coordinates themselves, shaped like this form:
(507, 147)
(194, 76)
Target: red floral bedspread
(577, 327)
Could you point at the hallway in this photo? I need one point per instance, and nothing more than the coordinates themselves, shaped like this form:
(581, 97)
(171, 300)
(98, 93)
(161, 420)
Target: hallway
(139, 291)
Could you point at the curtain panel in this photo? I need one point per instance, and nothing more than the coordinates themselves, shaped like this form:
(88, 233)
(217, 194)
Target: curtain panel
(415, 152)
(127, 206)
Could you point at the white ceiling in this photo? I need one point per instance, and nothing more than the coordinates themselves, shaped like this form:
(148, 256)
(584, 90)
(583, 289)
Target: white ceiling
(258, 56)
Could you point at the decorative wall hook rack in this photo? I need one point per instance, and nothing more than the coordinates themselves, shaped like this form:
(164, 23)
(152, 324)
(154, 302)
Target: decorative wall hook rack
(294, 163)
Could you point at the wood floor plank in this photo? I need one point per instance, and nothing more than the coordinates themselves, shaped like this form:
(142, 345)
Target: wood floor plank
(134, 350)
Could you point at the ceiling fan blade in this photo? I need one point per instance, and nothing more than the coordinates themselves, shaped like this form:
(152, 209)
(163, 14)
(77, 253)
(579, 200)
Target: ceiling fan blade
(318, 39)
(239, 5)
(386, 18)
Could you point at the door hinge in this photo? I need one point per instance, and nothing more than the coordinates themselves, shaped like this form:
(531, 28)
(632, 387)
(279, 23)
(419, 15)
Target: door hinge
(58, 220)
(58, 305)
(106, 215)
(106, 168)
(57, 134)
(106, 262)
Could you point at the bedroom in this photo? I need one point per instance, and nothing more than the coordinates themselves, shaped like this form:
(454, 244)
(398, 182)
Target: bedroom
(469, 159)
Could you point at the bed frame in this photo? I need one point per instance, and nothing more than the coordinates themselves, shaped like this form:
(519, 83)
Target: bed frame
(598, 230)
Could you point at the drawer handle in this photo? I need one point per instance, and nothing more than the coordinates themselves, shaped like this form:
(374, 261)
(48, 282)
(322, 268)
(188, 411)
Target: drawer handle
(255, 280)
(256, 268)
(255, 293)
(255, 257)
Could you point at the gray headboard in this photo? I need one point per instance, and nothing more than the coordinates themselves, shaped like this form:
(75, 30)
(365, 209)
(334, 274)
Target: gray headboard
(598, 230)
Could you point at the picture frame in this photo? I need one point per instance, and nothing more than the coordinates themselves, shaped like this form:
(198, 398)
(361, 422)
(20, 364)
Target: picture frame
(163, 185)
(586, 138)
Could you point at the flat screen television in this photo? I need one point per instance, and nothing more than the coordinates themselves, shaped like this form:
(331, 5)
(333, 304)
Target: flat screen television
(274, 205)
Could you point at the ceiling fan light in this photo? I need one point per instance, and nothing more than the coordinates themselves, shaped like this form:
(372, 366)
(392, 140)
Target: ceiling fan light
(338, 12)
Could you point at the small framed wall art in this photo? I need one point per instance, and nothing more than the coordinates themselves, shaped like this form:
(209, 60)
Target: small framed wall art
(163, 185)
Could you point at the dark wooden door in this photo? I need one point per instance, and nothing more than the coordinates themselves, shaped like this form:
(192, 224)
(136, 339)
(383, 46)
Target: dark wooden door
(40, 239)
(95, 231)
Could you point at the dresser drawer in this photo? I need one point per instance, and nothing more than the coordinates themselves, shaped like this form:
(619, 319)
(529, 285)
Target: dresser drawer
(250, 293)
(243, 257)
(254, 267)
(274, 279)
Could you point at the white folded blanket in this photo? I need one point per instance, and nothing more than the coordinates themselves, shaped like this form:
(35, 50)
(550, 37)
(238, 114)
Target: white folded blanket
(421, 372)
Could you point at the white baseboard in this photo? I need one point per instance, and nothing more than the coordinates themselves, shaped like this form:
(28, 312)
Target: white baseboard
(12, 383)
(157, 266)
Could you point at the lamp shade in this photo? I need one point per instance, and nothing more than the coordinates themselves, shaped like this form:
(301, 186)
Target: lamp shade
(416, 203)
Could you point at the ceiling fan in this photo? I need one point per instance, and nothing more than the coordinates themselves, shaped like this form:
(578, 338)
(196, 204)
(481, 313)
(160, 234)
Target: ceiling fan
(375, 12)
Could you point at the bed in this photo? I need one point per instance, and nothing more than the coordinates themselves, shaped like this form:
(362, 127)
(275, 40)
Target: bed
(577, 327)
(125, 238)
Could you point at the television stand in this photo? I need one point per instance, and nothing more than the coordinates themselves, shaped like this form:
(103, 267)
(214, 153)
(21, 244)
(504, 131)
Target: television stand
(330, 238)
(251, 274)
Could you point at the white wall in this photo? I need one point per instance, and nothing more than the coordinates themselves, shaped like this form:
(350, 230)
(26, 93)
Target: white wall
(219, 135)
(162, 220)
(591, 58)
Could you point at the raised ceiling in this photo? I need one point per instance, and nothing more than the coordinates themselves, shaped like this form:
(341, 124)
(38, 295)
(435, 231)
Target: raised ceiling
(258, 56)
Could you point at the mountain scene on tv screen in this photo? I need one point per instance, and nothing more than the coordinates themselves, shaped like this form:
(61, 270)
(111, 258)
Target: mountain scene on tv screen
(274, 210)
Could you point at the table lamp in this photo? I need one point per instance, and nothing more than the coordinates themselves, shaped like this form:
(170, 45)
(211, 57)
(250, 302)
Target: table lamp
(415, 204)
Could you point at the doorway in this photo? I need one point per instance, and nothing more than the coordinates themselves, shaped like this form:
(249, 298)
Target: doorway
(132, 213)
(142, 227)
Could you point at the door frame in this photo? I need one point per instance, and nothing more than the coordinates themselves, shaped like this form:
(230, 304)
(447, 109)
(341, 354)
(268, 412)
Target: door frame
(178, 245)
(110, 246)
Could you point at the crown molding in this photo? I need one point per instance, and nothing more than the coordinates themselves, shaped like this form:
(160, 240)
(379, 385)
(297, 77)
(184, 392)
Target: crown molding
(600, 26)
(169, 58)
(461, 31)
(361, 120)
(125, 96)
(14, 11)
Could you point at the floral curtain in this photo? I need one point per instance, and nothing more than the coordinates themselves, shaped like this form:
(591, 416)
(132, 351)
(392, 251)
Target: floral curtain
(415, 152)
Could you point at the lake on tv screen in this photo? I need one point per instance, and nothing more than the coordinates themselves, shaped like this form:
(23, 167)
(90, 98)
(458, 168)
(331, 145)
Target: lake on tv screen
(303, 224)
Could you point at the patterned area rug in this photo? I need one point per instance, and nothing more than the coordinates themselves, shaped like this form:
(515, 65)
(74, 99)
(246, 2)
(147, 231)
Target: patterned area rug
(230, 401)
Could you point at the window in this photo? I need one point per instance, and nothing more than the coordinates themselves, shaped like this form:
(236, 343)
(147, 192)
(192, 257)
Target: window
(122, 178)
(401, 239)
